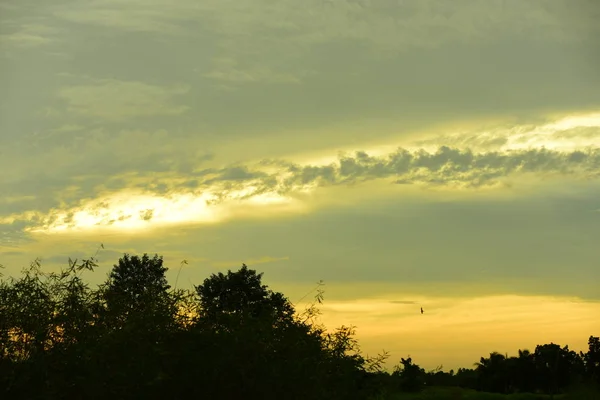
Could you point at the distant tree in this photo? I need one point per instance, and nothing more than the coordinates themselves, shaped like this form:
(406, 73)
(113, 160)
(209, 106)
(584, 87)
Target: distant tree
(410, 377)
(493, 373)
(467, 378)
(591, 360)
(557, 368)
(439, 377)
(523, 373)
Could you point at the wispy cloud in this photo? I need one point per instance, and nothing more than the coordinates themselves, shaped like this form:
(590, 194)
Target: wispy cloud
(385, 22)
(567, 133)
(116, 100)
(131, 16)
(272, 42)
(29, 36)
(250, 263)
(229, 71)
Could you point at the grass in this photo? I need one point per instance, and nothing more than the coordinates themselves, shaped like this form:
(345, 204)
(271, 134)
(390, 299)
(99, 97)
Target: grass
(455, 393)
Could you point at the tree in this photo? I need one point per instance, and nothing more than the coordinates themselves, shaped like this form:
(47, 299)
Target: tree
(137, 286)
(136, 321)
(239, 297)
(410, 377)
(275, 353)
(557, 368)
(248, 335)
(591, 360)
(523, 371)
(467, 378)
(438, 377)
(493, 373)
(44, 319)
(133, 337)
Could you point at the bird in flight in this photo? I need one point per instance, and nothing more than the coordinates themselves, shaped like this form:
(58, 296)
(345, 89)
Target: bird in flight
(422, 310)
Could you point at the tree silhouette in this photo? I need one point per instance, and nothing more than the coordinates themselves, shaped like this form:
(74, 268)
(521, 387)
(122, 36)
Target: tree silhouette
(252, 336)
(239, 297)
(493, 373)
(410, 377)
(524, 371)
(137, 288)
(556, 367)
(136, 318)
(231, 337)
(591, 360)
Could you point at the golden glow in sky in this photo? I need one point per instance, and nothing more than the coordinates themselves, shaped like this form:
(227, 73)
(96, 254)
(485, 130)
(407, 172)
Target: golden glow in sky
(481, 324)
(131, 211)
(135, 210)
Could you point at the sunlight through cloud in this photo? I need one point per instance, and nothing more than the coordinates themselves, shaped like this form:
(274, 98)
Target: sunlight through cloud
(131, 211)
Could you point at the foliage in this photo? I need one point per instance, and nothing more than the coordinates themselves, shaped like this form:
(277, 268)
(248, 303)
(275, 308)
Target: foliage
(410, 377)
(134, 336)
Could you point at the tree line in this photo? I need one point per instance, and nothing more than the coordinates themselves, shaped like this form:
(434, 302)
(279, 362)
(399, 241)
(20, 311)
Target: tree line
(230, 337)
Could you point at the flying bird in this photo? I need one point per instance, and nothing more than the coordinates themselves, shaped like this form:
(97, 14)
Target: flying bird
(422, 310)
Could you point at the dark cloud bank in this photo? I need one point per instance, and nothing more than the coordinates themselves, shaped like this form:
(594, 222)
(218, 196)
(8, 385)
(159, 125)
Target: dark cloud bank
(446, 166)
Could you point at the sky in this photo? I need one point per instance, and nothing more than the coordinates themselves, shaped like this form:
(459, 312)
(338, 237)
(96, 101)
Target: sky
(433, 154)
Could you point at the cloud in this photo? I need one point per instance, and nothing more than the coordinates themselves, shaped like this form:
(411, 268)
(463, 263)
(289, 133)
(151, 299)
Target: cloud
(22, 39)
(88, 178)
(384, 22)
(12, 253)
(566, 133)
(130, 16)
(312, 67)
(13, 234)
(250, 263)
(146, 215)
(29, 36)
(82, 165)
(115, 100)
(260, 41)
(447, 166)
(228, 71)
(217, 190)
